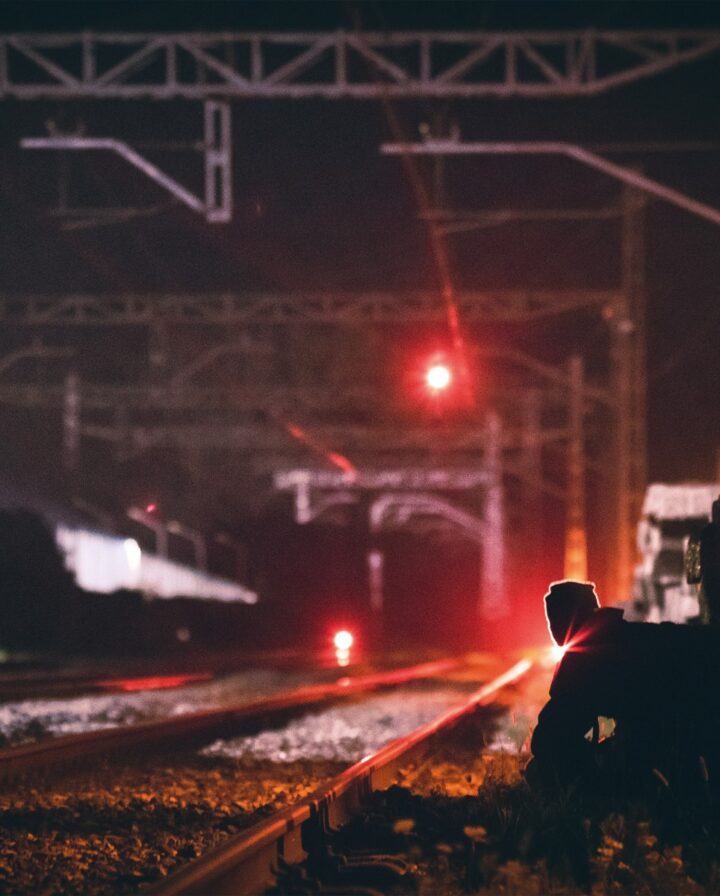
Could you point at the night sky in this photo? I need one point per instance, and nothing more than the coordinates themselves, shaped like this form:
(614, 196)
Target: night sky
(318, 206)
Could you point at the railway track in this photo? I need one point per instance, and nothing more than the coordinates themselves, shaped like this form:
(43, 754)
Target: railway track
(109, 812)
(200, 727)
(118, 817)
(248, 863)
(35, 682)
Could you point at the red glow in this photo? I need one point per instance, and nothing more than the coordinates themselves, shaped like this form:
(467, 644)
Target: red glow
(151, 507)
(343, 640)
(436, 382)
(558, 651)
(341, 462)
(336, 459)
(438, 377)
(152, 683)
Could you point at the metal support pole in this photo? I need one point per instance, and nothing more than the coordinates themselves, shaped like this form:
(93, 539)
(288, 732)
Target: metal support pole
(156, 526)
(218, 158)
(72, 409)
(629, 388)
(239, 554)
(158, 351)
(575, 566)
(621, 356)
(122, 445)
(493, 602)
(376, 562)
(531, 529)
(634, 206)
(195, 538)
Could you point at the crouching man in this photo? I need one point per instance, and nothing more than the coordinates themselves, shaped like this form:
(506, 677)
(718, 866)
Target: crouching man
(650, 680)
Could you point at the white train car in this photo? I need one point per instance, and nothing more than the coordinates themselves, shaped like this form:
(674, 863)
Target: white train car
(106, 563)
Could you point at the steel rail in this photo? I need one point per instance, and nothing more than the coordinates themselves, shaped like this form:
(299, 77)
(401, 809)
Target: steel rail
(245, 864)
(32, 688)
(200, 727)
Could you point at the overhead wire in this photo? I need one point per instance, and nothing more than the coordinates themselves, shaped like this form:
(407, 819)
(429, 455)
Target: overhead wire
(436, 237)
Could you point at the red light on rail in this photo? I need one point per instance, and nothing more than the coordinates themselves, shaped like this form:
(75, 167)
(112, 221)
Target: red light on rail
(343, 640)
(151, 507)
(438, 377)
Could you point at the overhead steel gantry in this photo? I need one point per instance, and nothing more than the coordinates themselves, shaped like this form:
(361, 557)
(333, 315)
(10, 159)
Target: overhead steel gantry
(339, 64)
(219, 68)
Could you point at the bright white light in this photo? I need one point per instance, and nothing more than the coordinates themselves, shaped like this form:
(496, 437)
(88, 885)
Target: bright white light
(557, 652)
(132, 553)
(438, 377)
(343, 640)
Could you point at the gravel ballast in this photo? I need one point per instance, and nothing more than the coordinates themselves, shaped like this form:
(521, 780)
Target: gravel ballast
(30, 720)
(115, 827)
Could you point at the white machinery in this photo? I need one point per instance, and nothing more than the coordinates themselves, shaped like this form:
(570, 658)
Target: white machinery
(671, 514)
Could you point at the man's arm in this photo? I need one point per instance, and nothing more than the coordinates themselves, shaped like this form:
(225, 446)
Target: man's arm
(559, 747)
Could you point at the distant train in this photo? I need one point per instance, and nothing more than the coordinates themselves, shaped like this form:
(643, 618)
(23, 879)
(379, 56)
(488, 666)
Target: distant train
(106, 563)
(671, 515)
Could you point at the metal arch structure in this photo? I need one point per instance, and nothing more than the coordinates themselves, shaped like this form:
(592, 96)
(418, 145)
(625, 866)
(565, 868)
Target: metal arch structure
(309, 487)
(399, 509)
(340, 64)
(412, 492)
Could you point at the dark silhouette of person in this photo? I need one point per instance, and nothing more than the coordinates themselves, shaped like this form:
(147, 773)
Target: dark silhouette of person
(651, 680)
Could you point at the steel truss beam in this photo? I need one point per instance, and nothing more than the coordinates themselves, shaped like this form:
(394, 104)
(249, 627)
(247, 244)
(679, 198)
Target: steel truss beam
(297, 307)
(410, 478)
(340, 64)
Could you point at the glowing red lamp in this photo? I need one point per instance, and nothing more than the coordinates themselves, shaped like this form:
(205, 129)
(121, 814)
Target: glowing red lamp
(343, 640)
(438, 377)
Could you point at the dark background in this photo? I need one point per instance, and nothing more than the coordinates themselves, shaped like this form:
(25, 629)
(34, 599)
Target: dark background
(350, 220)
(317, 206)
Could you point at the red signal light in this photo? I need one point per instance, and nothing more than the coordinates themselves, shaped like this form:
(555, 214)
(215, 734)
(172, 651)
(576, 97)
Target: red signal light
(343, 640)
(438, 377)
